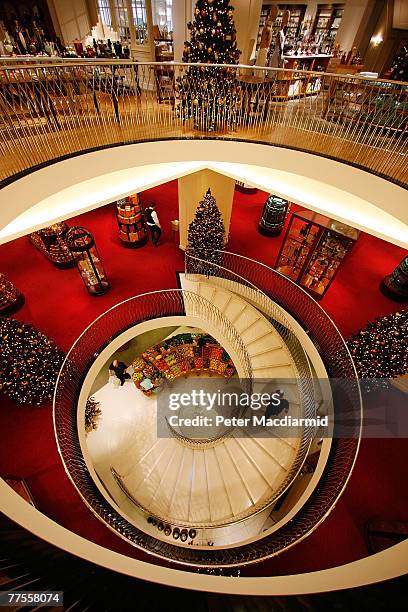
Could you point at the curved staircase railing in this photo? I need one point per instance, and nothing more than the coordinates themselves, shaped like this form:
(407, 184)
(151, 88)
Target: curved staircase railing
(52, 109)
(116, 320)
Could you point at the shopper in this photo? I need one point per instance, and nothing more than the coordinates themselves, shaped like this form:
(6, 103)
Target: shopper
(119, 369)
(153, 223)
(273, 411)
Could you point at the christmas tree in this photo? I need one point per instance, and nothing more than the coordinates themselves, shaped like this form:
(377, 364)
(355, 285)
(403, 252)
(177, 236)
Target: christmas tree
(380, 351)
(29, 363)
(206, 234)
(399, 66)
(209, 94)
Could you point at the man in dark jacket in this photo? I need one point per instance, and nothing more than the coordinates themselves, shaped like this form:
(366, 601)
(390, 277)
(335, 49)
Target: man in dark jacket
(153, 223)
(119, 369)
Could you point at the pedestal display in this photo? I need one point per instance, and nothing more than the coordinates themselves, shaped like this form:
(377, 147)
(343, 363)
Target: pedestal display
(81, 243)
(273, 216)
(11, 299)
(395, 285)
(131, 222)
(313, 249)
(51, 242)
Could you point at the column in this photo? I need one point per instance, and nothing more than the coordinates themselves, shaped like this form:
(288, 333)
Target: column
(192, 188)
(182, 14)
(113, 16)
(246, 17)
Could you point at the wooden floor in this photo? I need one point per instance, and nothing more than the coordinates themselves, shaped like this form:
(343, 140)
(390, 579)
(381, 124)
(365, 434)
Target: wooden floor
(27, 141)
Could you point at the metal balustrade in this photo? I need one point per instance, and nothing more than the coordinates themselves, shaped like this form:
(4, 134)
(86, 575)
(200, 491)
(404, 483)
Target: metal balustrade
(50, 109)
(172, 302)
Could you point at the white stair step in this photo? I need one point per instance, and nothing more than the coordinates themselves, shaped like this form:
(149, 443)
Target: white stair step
(270, 358)
(274, 371)
(144, 465)
(279, 452)
(199, 499)
(220, 506)
(221, 300)
(254, 352)
(256, 486)
(239, 498)
(163, 495)
(148, 487)
(234, 309)
(270, 469)
(247, 320)
(207, 291)
(260, 329)
(180, 502)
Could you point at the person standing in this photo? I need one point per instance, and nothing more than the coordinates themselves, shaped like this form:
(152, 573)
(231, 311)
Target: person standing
(153, 223)
(119, 369)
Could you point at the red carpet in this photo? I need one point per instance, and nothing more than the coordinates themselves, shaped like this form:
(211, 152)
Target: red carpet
(58, 304)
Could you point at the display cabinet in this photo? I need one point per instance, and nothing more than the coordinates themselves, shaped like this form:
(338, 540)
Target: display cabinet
(131, 222)
(313, 250)
(395, 285)
(11, 299)
(273, 216)
(81, 243)
(327, 23)
(51, 242)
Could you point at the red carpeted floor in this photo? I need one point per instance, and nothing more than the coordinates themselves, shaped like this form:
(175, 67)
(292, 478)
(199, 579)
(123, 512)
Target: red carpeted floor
(58, 304)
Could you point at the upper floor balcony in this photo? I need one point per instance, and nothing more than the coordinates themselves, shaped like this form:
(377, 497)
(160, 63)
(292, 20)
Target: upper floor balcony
(55, 109)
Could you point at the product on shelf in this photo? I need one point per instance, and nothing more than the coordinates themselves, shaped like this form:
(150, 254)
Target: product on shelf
(51, 242)
(180, 355)
(131, 222)
(273, 216)
(313, 249)
(81, 243)
(395, 285)
(11, 299)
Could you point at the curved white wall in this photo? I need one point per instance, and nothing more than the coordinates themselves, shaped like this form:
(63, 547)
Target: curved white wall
(81, 183)
(387, 564)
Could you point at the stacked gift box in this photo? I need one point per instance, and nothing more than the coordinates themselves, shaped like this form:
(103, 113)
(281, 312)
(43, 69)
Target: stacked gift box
(180, 355)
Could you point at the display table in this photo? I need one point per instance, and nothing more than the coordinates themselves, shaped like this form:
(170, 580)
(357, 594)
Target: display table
(177, 356)
(51, 242)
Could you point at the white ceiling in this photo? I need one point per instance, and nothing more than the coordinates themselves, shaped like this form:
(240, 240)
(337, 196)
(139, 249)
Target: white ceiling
(76, 185)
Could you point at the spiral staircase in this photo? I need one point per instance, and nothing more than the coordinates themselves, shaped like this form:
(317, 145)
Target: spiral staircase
(237, 497)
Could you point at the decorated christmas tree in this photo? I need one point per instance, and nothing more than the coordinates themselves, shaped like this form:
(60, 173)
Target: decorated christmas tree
(380, 351)
(399, 66)
(206, 234)
(209, 94)
(29, 363)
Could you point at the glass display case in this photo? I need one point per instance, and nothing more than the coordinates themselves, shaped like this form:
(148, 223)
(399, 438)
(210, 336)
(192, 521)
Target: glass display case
(273, 216)
(313, 250)
(11, 299)
(81, 243)
(51, 242)
(131, 222)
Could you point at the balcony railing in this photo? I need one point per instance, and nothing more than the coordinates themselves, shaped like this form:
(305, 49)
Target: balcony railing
(53, 109)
